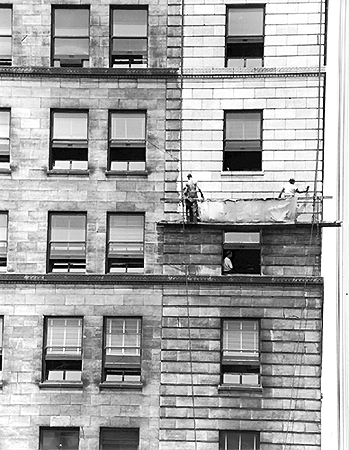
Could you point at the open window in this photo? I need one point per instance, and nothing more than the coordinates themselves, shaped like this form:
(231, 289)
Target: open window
(242, 141)
(119, 439)
(62, 438)
(5, 119)
(5, 36)
(67, 242)
(240, 352)
(125, 246)
(245, 36)
(63, 349)
(3, 241)
(70, 37)
(244, 251)
(122, 350)
(127, 146)
(69, 143)
(239, 440)
(129, 37)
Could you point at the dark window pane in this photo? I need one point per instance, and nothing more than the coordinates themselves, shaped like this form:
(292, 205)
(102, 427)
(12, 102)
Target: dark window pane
(130, 22)
(72, 22)
(52, 439)
(5, 21)
(242, 161)
(245, 21)
(71, 47)
(245, 50)
(120, 439)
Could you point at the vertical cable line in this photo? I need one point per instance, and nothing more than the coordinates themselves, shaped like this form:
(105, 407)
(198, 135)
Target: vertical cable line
(303, 320)
(319, 99)
(341, 345)
(181, 81)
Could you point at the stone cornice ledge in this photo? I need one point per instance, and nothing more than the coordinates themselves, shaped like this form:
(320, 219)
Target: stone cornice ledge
(58, 72)
(108, 279)
(256, 72)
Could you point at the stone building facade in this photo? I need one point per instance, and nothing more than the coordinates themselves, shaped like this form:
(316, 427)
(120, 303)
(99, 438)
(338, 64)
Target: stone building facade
(119, 329)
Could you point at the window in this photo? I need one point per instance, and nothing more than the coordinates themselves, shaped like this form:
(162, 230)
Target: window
(69, 146)
(129, 43)
(67, 243)
(1, 343)
(63, 349)
(127, 141)
(59, 438)
(70, 37)
(243, 141)
(240, 352)
(5, 36)
(238, 440)
(125, 243)
(122, 350)
(3, 241)
(5, 117)
(245, 37)
(244, 251)
(119, 438)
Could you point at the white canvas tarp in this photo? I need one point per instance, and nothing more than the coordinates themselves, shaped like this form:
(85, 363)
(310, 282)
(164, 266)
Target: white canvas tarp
(249, 211)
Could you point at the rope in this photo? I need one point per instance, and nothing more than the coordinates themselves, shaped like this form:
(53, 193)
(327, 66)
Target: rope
(304, 315)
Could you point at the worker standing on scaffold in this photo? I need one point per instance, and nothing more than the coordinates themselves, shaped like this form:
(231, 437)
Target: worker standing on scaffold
(190, 193)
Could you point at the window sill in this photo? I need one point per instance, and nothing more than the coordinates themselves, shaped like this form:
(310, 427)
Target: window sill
(126, 173)
(240, 387)
(125, 385)
(61, 385)
(61, 172)
(246, 173)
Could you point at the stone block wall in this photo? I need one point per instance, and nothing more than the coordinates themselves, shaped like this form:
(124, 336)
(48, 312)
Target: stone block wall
(32, 31)
(198, 249)
(29, 191)
(290, 121)
(25, 406)
(286, 411)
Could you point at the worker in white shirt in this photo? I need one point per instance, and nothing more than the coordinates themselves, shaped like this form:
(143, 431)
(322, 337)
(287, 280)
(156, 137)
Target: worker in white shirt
(227, 263)
(290, 189)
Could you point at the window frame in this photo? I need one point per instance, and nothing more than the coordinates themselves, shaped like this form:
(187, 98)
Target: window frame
(124, 368)
(67, 259)
(79, 145)
(145, 58)
(84, 61)
(242, 150)
(124, 144)
(5, 156)
(127, 261)
(78, 357)
(43, 429)
(239, 39)
(223, 434)
(3, 259)
(122, 429)
(241, 365)
(3, 60)
(252, 250)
